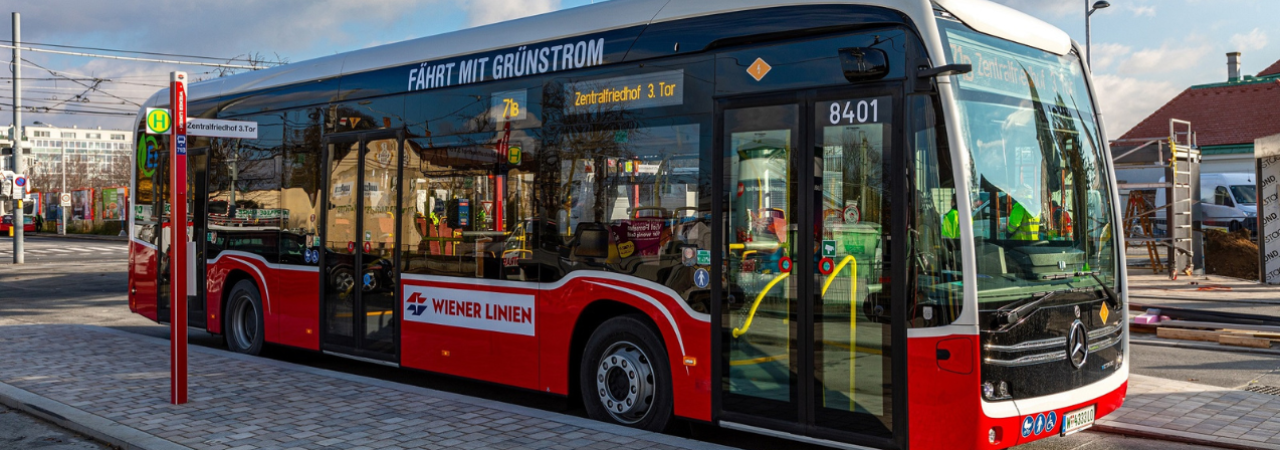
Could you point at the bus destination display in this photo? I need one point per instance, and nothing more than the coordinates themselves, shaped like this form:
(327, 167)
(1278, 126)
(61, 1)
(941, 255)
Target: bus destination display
(630, 92)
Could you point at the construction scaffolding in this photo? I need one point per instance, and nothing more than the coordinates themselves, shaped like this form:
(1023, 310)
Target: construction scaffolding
(1160, 214)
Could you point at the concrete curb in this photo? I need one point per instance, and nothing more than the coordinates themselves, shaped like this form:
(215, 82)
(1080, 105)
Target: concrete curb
(1145, 432)
(1249, 301)
(91, 425)
(580, 422)
(1198, 346)
(84, 237)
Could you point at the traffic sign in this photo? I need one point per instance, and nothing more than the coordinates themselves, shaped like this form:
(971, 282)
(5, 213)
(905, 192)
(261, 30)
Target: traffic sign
(65, 199)
(19, 186)
(158, 121)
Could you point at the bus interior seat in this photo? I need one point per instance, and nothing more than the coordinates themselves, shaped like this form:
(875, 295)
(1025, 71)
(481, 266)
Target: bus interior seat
(590, 243)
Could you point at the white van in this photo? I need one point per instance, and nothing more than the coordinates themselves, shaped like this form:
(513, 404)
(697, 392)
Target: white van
(1227, 201)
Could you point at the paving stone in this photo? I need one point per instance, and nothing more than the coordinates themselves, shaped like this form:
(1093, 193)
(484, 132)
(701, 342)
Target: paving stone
(246, 403)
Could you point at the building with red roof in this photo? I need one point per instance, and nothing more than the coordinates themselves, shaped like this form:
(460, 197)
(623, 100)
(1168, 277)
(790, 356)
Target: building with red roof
(1273, 70)
(1226, 117)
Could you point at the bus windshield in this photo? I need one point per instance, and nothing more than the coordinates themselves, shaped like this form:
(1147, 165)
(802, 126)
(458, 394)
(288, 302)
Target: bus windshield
(1039, 188)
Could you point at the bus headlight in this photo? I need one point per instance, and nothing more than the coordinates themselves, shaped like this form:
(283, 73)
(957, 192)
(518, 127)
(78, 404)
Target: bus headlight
(995, 391)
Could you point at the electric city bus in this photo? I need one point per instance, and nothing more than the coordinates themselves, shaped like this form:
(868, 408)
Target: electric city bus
(862, 223)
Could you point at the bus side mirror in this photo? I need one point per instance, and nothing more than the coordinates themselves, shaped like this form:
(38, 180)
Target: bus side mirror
(949, 69)
(864, 63)
(925, 74)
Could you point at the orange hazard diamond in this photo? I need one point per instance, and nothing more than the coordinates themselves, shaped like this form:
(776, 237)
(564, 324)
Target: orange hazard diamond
(1104, 313)
(759, 69)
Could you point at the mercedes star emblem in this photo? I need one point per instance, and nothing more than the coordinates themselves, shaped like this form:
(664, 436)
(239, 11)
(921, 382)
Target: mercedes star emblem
(1078, 345)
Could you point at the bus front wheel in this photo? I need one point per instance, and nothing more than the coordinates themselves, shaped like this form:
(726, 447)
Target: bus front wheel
(625, 376)
(244, 319)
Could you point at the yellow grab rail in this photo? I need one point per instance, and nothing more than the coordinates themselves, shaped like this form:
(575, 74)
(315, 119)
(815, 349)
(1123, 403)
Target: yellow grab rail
(832, 277)
(752, 313)
(853, 320)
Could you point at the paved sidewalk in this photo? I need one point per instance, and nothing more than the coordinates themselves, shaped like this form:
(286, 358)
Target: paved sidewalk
(1196, 413)
(114, 386)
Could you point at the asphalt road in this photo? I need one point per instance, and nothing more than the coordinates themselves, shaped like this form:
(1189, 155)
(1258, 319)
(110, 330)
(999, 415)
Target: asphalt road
(21, 431)
(88, 287)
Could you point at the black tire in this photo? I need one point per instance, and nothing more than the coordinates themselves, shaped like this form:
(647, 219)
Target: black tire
(244, 328)
(625, 375)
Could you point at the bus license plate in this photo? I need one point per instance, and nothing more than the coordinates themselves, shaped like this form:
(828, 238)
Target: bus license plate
(1078, 420)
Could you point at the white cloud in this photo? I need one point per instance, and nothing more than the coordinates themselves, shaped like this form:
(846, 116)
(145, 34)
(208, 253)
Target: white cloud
(212, 28)
(1141, 10)
(1125, 101)
(484, 12)
(1254, 40)
(1106, 54)
(1163, 59)
(1045, 9)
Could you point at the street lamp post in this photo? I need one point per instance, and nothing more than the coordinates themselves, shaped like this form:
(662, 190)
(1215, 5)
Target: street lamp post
(1088, 50)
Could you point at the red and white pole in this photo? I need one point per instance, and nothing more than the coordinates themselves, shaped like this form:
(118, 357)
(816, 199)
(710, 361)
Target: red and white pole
(178, 238)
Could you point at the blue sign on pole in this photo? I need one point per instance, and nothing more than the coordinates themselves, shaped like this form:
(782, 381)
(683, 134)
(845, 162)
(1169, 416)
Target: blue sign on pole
(180, 145)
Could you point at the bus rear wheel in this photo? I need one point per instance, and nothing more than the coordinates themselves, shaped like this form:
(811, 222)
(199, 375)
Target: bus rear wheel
(244, 327)
(625, 377)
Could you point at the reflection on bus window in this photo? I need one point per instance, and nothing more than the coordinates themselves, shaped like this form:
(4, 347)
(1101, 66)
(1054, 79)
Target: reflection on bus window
(245, 209)
(469, 208)
(852, 326)
(761, 245)
(935, 243)
(629, 202)
(1039, 178)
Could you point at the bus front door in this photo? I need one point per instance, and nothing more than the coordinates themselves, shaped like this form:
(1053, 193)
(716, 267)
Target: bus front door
(806, 325)
(359, 277)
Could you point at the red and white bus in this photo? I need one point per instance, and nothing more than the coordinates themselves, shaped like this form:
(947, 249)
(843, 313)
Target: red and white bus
(742, 213)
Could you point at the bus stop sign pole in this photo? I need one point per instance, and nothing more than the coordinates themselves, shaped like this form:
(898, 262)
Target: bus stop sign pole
(178, 238)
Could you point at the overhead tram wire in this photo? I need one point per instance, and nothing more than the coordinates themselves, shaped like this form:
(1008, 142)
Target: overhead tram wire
(68, 111)
(130, 58)
(56, 74)
(109, 80)
(139, 52)
(102, 106)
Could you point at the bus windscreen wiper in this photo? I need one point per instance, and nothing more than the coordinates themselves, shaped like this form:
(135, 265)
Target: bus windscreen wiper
(1113, 300)
(1012, 313)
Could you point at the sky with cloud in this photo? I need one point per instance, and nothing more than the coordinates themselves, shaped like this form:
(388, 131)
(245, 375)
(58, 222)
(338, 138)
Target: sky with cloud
(1145, 51)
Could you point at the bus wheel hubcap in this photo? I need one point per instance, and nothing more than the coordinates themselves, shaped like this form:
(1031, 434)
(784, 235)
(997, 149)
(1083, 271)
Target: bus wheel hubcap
(624, 382)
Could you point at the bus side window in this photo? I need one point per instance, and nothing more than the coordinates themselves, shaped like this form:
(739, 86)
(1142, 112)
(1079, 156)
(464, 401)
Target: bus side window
(299, 185)
(468, 211)
(636, 204)
(938, 295)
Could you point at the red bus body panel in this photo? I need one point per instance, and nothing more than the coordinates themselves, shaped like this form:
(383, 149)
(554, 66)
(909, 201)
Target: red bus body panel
(542, 362)
(143, 280)
(504, 358)
(936, 392)
(290, 297)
